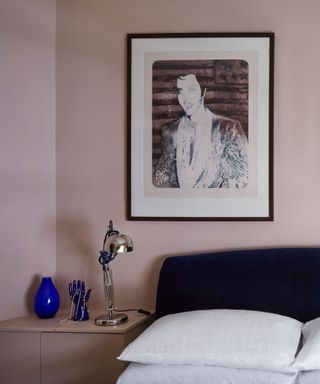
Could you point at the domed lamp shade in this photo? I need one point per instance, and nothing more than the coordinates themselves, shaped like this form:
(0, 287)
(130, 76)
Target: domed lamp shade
(113, 243)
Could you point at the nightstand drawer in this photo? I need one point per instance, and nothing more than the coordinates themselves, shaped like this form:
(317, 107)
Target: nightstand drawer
(80, 358)
(20, 357)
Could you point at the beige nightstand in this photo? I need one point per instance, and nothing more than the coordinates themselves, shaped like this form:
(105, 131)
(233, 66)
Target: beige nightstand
(35, 351)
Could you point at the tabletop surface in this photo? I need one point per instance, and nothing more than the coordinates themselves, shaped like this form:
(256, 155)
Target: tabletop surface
(60, 323)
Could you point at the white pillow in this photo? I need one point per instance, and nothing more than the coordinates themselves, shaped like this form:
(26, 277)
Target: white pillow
(309, 356)
(225, 338)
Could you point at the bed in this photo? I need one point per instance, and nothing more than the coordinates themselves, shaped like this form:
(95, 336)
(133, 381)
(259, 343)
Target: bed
(249, 316)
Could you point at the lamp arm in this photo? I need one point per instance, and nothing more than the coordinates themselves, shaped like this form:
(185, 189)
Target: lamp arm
(109, 233)
(108, 290)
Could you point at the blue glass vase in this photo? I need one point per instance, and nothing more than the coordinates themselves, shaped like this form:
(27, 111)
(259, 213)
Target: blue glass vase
(46, 300)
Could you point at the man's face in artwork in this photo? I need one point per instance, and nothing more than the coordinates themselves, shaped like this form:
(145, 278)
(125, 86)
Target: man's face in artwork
(189, 94)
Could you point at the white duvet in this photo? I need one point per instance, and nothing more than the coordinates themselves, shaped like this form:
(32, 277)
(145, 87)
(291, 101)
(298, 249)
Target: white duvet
(191, 374)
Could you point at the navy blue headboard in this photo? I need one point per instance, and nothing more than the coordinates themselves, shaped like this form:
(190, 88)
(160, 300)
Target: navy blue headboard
(285, 281)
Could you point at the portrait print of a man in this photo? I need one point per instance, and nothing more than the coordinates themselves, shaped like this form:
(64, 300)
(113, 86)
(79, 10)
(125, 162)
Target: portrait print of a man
(200, 149)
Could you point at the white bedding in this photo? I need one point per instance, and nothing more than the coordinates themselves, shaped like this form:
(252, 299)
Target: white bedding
(309, 377)
(224, 347)
(308, 358)
(219, 337)
(190, 374)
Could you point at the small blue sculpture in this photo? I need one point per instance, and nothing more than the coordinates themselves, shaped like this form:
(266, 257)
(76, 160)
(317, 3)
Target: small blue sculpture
(79, 299)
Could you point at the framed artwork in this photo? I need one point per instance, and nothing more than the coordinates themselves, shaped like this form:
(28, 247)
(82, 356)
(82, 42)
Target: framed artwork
(200, 126)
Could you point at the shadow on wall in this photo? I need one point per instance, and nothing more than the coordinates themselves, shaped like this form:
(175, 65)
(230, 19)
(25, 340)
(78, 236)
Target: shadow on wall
(75, 242)
(44, 267)
(73, 235)
(31, 291)
(149, 289)
(155, 268)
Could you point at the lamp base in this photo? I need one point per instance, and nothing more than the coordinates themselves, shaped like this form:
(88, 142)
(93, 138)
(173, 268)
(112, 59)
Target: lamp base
(116, 319)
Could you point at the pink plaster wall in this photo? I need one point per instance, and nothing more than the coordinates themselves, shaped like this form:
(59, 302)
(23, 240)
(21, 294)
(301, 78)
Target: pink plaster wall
(27, 151)
(91, 136)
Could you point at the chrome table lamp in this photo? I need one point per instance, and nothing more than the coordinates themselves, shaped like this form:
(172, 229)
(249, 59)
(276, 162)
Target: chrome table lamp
(113, 243)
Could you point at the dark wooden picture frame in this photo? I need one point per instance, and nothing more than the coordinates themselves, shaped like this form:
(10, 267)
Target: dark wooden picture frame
(183, 89)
